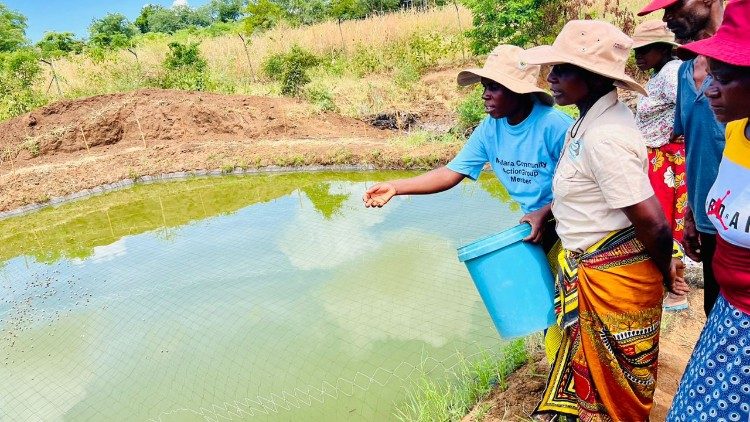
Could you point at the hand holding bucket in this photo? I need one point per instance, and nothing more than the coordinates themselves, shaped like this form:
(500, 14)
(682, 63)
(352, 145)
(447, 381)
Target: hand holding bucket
(514, 280)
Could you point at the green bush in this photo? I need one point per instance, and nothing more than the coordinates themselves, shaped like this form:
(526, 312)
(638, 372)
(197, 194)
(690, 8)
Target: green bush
(185, 68)
(290, 69)
(321, 97)
(517, 22)
(364, 61)
(408, 74)
(273, 66)
(471, 110)
(19, 70)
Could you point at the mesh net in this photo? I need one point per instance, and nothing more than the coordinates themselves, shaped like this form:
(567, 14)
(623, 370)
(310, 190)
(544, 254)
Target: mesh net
(263, 297)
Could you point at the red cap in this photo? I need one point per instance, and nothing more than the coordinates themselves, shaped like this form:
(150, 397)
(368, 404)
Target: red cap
(656, 5)
(730, 44)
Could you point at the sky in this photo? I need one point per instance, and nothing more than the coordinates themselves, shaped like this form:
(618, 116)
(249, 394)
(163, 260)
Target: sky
(75, 15)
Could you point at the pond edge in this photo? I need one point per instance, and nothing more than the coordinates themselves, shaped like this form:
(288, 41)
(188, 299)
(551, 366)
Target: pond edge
(180, 175)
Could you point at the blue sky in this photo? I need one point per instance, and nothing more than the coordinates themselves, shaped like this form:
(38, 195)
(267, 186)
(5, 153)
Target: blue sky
(76, 15)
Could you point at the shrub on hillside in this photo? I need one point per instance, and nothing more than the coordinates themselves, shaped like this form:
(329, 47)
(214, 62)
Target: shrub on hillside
(471, 111)
(517, 22)
(58, 44)
(290, 69)
(321, 98)
(185, 68)
(112, 31)
(19, 70)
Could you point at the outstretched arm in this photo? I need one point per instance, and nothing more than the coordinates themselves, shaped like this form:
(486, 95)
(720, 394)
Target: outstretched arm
(433, 181)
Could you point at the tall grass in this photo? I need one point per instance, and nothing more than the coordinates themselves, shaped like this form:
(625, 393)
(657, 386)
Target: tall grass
(234, 70)
(469, 381)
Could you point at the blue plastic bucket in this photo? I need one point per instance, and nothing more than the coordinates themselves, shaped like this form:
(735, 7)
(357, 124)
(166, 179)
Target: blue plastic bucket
(513, 278)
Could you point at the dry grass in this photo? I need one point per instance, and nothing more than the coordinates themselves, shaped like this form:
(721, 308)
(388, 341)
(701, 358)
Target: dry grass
(228, 62)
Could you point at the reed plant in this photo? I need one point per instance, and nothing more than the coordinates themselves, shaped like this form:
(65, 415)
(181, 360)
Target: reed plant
(449, 398)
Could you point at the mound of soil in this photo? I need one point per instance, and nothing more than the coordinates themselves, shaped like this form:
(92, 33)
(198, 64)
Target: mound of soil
(72, 146)
(168, 115)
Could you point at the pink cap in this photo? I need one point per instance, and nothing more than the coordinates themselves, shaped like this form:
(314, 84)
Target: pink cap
(730, 44)
(656, 5)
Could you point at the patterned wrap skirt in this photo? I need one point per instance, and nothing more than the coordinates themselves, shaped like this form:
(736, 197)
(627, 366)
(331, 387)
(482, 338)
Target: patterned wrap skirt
(609, 308)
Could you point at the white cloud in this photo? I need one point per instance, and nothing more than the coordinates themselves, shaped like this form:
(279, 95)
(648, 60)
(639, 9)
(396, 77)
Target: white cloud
(312, 242)
(179, 3)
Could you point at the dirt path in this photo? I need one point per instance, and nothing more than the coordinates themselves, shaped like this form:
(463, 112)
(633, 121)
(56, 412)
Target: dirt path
(70, 146)
(680, 332)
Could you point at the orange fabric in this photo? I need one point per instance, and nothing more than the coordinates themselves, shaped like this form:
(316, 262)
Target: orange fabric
(605, 368)
(625, 302)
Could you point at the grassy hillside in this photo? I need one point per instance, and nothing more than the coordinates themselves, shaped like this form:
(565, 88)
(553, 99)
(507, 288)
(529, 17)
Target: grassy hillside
(369, 66)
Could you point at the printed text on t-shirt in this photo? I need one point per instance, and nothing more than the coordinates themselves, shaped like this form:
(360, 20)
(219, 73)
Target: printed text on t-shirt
(521, 171)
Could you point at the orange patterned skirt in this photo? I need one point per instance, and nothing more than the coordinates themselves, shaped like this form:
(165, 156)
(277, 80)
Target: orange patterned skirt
(609, 306)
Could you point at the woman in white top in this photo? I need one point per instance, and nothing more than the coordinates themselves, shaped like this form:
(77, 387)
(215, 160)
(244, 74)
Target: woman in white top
(617, 241)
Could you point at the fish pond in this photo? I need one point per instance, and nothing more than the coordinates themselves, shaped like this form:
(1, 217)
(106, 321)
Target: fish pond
(264, 297)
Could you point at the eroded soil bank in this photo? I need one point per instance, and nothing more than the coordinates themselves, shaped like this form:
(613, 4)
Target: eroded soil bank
(70, 146)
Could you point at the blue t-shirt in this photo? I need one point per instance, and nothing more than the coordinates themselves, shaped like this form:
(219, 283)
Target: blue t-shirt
(524, 156)
(704, 142)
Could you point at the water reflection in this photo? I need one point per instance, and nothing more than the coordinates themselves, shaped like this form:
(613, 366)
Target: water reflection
(178, 302)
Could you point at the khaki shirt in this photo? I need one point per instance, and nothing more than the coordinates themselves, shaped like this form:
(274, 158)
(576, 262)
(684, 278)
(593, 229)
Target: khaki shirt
(603, 169)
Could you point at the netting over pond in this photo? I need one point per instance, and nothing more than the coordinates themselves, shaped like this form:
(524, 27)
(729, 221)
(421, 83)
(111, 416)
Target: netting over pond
(263, 297)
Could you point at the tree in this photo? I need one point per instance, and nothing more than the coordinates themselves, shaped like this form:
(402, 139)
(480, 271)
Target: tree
(343, 10)
(142, 21)
(19, 70)
(155, 18)
(262, 15)
(112, 31)
(57, 44)
(12, 29)
(303, 12)
(517, 22)
(226, 10)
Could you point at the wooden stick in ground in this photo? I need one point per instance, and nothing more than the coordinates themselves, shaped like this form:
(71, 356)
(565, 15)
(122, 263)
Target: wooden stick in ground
(54, 76)
(80, 128)
(140, 130)
(460, 29)
(247, 54)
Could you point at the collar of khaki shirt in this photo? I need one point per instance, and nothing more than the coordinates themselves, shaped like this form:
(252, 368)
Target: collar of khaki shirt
(600, 106)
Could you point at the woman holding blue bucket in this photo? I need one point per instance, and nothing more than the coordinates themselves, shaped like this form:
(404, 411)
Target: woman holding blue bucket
(521, 132)
(617, 242)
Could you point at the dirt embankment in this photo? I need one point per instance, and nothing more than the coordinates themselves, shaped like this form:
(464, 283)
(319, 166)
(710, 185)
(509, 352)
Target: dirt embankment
(70, 146)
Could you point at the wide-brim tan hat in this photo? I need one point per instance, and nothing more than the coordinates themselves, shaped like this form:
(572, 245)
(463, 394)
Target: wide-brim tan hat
(653, 32)
(505, 67)
(596, 46)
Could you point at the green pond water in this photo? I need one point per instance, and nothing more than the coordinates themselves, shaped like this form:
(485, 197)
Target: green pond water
(267, 297)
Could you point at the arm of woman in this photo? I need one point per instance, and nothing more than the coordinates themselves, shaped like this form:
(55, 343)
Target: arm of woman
(653, 230)
(433, 181)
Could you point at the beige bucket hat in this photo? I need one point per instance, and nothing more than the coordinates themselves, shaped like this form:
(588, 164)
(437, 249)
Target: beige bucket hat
(505, 67)
(597, 46)
(653, 32)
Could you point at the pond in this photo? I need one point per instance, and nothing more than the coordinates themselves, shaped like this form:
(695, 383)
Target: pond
(268, 297)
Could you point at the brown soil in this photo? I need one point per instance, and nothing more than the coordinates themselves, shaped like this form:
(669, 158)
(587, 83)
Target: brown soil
(680, 331)
(70, 146)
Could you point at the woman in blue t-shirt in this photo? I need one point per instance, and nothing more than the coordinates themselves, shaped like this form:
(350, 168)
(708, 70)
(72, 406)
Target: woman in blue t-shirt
(521, 139)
